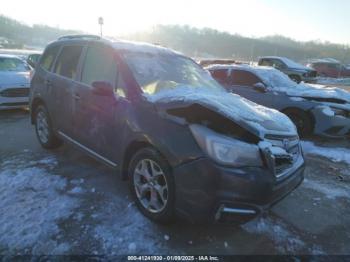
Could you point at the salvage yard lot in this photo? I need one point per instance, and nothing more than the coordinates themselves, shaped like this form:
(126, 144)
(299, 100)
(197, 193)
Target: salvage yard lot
(63, 202)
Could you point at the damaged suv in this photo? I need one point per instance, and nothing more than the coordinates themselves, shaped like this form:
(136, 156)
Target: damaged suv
(187, 146)
(314, 109)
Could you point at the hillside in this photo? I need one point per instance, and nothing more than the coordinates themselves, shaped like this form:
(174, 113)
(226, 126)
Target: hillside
(14, 34)
(212, 43)
(191, 41)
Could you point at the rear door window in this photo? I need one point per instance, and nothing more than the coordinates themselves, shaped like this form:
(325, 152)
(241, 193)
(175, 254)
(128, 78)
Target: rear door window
(48, 58)
(265, 62)
(244, 78)
(68, 60)
(220, 75)
(99, 65)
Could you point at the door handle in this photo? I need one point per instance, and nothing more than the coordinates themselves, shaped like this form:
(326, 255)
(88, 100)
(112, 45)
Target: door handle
(76, 96)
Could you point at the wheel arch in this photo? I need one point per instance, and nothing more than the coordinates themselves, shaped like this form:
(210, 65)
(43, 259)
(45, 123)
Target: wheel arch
(308, 113)
(130, 151)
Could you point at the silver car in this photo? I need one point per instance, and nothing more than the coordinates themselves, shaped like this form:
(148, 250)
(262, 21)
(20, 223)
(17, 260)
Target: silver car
(14, 82)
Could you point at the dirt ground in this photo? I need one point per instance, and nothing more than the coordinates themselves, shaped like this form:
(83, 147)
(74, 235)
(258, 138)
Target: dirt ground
(63, 202)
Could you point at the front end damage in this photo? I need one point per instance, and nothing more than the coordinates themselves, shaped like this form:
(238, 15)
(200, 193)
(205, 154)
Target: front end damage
(331, 117)
(212, 190)
(332, 121)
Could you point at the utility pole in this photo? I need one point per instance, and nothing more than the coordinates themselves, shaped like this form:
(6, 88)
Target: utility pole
(100, 22)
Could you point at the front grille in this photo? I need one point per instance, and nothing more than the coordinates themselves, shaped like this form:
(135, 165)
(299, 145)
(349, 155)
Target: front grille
(15, 92)
(280, 164)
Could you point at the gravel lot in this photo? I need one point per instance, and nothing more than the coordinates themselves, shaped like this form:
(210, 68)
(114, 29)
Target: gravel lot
(63, 202)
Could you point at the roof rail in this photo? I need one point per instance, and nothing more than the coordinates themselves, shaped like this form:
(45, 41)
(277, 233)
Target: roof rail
(79, 37)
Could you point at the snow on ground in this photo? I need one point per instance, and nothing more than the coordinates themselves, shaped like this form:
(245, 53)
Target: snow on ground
(330, 191)
(334, 81)
(122, 229)
(336, 154)
(278, 232)
(286, 241)
(32, 203)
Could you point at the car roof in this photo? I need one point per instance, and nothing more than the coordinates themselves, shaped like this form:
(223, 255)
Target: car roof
(117, 44)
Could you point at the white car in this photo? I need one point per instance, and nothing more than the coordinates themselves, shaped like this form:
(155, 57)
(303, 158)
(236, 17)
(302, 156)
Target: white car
(14, 82)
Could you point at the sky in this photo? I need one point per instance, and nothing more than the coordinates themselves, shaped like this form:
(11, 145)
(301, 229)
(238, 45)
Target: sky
(324, 20)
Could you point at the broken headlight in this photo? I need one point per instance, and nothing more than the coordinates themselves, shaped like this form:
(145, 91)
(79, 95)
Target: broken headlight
(225, 150)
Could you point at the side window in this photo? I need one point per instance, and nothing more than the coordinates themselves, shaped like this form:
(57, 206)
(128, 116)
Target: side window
(265, 62)
(68, 60)
(244, 78)
(278, 64)
(49, 57)
(220, 75)
(99, 65)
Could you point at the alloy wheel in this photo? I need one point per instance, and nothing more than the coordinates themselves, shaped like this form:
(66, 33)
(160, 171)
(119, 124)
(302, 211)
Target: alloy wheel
(151, 186)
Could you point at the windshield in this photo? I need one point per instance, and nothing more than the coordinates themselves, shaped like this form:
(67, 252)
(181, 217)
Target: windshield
(13, 64)
(158, 72)
(275, 79)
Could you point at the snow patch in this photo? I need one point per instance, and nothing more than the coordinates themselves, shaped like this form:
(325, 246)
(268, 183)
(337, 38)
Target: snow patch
(122, 230)
(31, 204)
(285, 241)
(336, 154)
(330, 191)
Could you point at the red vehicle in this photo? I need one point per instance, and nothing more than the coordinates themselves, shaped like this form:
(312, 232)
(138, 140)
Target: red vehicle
(330, 69)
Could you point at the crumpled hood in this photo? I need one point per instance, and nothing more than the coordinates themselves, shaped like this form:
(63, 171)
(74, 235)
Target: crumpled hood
(317, 91)
(9, 79)
(258, 119)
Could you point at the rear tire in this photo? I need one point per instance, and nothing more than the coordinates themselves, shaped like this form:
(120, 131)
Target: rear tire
(43, 128)
(152, 185)
(302, 122)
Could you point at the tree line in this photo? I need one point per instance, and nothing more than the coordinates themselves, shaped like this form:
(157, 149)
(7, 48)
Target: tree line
(194, 42)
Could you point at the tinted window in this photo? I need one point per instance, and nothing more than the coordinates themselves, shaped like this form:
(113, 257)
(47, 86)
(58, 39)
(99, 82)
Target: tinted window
(278, 64)
(220, 75)
(99, 65)
(265, 62)
(244, 78)
(49, 57)
(68, 61)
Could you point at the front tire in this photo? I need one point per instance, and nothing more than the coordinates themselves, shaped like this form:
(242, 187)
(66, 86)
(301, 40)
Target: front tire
(302, 122)
(152, 185)
(43, 128)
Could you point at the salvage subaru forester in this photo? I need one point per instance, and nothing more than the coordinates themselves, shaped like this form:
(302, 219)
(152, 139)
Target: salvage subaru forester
(187, 146)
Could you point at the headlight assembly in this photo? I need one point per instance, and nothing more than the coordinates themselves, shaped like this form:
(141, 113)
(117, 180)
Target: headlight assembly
(225, 150)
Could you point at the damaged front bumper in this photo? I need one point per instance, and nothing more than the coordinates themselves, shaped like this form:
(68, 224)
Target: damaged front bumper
(330, 125)
(207, 192)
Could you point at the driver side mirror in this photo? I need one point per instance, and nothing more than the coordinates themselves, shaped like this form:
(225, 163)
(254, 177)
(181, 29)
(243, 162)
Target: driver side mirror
(102, 88)
(260, 87)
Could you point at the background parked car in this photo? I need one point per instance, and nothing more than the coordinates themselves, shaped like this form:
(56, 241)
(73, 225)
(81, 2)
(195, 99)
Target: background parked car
(295, 71)
(313, 109)
(30, 56)
(14, 82)
(330, 69)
